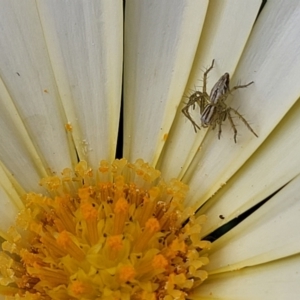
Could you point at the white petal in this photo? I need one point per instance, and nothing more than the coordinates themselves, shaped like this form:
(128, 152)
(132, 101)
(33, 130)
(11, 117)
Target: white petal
(225, 33)
(10, 203)
(270, 233)
(27, 75)
(275, 68)
(274, 164)
(17, 151)
(11, 188)
(84, 40)
(274, 281)
(8, 214)
(160, 44)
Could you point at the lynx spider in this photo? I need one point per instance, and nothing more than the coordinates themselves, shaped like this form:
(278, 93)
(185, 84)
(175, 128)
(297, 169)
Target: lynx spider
(213, 110)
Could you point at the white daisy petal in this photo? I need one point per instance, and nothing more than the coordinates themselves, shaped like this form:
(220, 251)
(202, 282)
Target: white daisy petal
(10, 200)
(84, 41)
(270, 233)
(8, 215)
(264, 104)
(27, 75)
(11, 188)
(216, 43)
(273, 281)
(265, 172)
(160, 45)
(16, 149)
(119, 231)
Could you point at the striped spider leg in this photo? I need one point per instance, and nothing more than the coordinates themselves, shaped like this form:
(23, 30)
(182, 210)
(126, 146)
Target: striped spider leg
(216, 112)
(201, 98)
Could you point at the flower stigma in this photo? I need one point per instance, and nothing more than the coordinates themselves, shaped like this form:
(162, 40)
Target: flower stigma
(119, 232)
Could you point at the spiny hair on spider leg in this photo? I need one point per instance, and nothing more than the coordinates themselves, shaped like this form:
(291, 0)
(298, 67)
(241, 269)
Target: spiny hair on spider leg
(235, 116)
(187, 97)
(204, 69)
(196, 88)
(190, 94)
(201, 80)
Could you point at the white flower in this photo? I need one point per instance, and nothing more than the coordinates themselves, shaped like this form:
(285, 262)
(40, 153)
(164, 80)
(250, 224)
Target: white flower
(61, 68)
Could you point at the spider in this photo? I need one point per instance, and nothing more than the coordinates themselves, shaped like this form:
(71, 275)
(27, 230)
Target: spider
(213, 109)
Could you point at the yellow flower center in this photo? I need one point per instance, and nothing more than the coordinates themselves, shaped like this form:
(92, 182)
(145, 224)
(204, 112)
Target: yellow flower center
(117, 233)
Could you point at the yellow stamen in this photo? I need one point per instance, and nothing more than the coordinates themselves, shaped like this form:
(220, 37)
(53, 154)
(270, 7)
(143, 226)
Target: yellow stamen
(126, 274)
(115, 245)
(90, 215)
(64, 240)
(119, 233)
(121, 212)
(151, 227)
(159, 262)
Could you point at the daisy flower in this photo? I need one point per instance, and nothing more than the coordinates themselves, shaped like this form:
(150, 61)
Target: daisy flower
(110, 199)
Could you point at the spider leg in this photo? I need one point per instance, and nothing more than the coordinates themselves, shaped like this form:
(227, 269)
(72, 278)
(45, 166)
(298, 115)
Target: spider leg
(185, 111)
(193, 99)
(230, 91)
(240, 86)
(213, 125)
(244, 120)
(222, 118)
(203, 102)
(205, 76)
(231, 123)
(220, 130)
